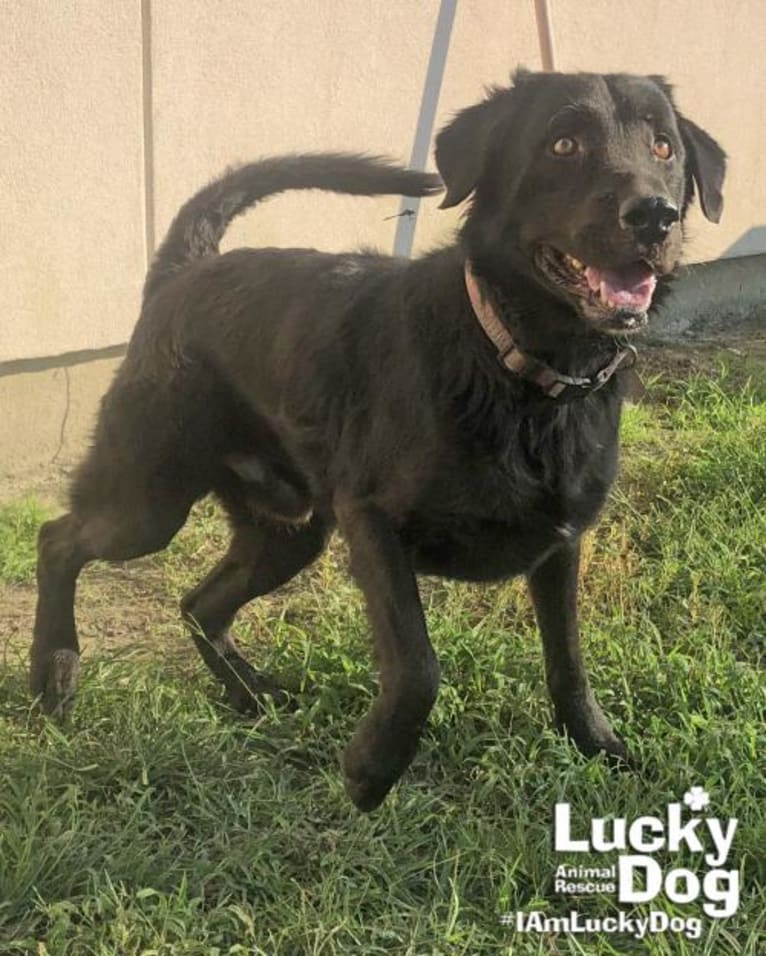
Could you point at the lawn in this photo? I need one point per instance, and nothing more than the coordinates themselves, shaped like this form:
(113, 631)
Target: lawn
(156, 821)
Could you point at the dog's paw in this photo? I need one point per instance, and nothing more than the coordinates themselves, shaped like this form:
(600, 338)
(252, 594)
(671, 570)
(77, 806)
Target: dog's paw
(591, 732)
(55, 682)
(374, 760)
(367, 781)
(246, 691)
(608, 745)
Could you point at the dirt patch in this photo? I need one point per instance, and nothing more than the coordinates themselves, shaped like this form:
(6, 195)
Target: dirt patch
(116, 606)
(740, 351)
(742, 358)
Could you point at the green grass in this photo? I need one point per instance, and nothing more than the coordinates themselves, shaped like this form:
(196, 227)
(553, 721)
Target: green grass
(158, 822)
(19, 522)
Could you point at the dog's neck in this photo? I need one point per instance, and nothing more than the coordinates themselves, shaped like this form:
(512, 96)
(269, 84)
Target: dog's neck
(540, 322)
(552, 382)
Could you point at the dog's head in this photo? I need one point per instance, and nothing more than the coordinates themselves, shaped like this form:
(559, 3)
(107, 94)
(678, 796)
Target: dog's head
(581, 182)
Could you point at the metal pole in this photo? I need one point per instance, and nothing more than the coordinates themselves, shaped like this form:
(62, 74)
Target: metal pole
(545, 35)
(147, 109)
(408, 209)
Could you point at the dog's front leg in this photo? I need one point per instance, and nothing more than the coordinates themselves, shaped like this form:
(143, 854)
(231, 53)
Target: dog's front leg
(386, 740)
(553, 585)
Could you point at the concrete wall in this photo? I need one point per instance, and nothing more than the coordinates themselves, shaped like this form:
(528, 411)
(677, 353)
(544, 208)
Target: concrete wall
(113, 112)
(46, 421)
(723, 300)
(71, 191)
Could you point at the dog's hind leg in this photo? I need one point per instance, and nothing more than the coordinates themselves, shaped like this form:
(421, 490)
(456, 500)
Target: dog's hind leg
(65, 546)
(55, 651)
(263, 555)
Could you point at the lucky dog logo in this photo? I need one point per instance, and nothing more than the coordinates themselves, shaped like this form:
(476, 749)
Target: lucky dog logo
(643, 871)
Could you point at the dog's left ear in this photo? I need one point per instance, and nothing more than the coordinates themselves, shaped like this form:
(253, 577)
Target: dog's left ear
(461, 147)
(705, 160)
(706, 165)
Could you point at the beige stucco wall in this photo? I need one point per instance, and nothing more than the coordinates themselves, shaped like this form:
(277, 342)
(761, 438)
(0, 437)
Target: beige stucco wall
(47, 418)
(332, 75)
(71, 192)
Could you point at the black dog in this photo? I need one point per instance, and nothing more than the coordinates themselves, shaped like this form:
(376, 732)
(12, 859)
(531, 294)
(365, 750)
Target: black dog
(455, 415)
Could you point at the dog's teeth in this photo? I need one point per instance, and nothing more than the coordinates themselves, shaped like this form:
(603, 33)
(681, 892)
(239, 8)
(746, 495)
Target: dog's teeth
(575, 263)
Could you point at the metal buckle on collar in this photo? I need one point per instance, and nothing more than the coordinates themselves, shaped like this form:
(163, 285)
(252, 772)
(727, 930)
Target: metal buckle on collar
(556, 383)
(550, 382)
(579, 387)
(601, 378)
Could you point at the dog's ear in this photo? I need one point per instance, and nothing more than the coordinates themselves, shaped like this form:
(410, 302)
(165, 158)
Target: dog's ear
(706, 165)
(461, 147)
(705, 160)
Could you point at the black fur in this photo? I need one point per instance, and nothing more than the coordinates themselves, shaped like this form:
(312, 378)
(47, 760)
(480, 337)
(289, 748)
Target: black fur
(310, 391)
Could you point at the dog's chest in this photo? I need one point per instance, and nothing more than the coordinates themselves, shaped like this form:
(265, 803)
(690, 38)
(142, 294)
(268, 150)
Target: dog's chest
(488, 515)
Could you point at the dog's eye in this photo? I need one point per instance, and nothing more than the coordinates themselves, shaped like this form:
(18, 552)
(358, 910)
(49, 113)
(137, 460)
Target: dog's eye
(565, 146)
(662, 148)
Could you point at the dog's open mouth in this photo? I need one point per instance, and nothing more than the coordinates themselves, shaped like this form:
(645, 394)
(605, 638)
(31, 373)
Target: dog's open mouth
(618, 299)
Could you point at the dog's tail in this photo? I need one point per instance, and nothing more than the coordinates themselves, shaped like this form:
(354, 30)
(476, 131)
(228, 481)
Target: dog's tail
(200, 224)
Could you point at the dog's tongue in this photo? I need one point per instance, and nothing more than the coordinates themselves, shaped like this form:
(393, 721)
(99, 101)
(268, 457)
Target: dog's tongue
(628, 288)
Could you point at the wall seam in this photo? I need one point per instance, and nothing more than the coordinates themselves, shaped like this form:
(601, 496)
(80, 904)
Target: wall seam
(63, 360)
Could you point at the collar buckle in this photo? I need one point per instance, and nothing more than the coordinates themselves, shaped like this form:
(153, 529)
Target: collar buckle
(626, 352)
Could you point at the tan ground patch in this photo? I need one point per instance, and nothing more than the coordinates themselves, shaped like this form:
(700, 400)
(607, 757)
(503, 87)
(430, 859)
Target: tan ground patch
(127, 604)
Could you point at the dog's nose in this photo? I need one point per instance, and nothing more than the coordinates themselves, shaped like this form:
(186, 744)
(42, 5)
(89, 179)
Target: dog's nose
(650, 217)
